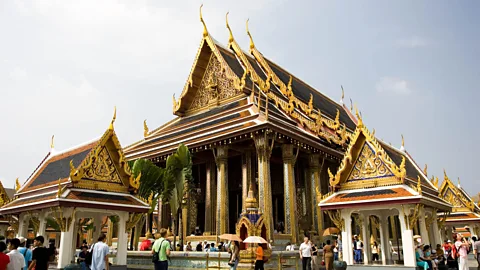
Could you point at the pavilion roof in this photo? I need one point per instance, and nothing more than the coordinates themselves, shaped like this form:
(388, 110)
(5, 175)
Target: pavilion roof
(93, 173)
(374, 172)
(225, 78)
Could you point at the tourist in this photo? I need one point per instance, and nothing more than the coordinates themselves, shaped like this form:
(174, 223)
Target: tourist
(189, 247)
(289, 247)
(234, 255)
(358, 248)
(82, 256)
(4, 259)
(26, 252)
(259, 258)
(427, 254)
(207, 248)
(328, 256)
(145, 245)
(204, 245)
(375, 251)
(314, 255)
(199, 246)
(421, 261)
(440, 255)
(305, 251)
(162, 248)
(17, 261)
(476, 250)
(100, 252)
(335, 250)
(39, 255)
(339, 247)
(213, 248)
(462, 247)
(221, 247)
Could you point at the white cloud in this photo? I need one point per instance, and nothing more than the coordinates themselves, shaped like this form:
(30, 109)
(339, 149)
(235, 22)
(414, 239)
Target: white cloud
(412, 42)
(393, 85)
(18, 74)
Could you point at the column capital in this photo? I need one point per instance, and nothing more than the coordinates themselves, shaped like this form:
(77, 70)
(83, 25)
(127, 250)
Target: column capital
(263, 145)
(220, 153)
(287, 153)
(314, 160)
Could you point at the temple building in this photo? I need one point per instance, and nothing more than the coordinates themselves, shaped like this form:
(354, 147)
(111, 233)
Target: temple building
(465, 216)
(377, 184)
(89, 181)
(249, 122)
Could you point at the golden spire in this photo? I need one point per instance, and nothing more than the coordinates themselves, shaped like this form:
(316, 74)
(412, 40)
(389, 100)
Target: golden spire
(230, 38)
(403, 144)
(343, 95)
(205, 32)
(52, 144)
(425, 170)
(252, 45)
(351, 105)
(17, 185)
(419, 184)
(114, 117)
(145, 128)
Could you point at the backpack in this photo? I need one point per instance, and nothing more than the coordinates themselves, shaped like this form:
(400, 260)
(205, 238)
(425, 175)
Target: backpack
(454, 252)
(88, 257)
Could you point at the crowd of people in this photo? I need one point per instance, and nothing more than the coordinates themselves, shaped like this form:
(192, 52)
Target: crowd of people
(454, 255)
(17, 255)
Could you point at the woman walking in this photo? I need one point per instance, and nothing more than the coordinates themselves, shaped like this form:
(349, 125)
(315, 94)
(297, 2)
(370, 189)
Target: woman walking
(259, 259)
(328, 256)
(234, 255)
(375, 251)
(462, 247)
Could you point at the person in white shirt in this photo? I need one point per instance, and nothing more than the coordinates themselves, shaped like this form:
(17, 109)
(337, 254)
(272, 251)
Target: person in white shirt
(100, 252)
(306, 254)
(17, 261)
(289, 247)
(375, 251)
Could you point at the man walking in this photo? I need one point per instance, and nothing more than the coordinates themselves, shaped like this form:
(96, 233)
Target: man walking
(100, 252)
(306, 254)
(27, 253)
(40, 255)
(358, 247)
(17, 261)
(162, 248)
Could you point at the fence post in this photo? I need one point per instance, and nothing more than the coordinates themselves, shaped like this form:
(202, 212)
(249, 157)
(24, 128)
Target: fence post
(206, 266)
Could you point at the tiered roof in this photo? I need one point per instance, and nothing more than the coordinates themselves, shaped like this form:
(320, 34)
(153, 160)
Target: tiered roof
(373, 172)
(225, 98)
(465, 210)
(92, 175)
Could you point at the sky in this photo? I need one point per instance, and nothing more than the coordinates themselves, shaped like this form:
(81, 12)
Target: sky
(412, 68)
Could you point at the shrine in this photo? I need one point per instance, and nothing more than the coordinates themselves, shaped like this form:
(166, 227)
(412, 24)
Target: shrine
(89, 181)
(377, 184)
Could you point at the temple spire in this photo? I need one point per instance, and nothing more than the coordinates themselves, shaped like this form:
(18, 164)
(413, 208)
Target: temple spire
(52, 144)
(230, 38)
(252, 45)
(403, 144)
(205, 32)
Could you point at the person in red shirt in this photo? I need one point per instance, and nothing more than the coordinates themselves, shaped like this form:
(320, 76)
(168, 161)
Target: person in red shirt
(145, 245)
(4, 259)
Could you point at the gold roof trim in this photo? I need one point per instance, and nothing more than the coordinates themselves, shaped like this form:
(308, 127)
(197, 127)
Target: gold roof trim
(462, 196)
(17, 185)
(398, 171)
(4, 199)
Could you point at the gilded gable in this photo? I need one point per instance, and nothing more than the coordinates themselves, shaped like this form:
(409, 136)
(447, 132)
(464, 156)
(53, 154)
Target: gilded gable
(102, 168)
(368, 165)
(215, 86)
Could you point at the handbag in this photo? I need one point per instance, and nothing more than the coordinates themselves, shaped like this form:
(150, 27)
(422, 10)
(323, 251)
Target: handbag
(156, 255)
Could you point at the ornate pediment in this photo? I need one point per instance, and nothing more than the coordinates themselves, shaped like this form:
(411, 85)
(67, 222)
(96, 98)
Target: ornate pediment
(368, 165)
(451, 197)
(102, 168)
(215, 86)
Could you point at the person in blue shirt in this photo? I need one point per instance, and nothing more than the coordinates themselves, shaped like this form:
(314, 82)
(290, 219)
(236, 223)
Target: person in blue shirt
(26, 252)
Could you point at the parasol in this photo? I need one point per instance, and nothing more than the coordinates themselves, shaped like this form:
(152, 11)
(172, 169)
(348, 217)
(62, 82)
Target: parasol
(231, 237)
(255, 239)
(330, 231)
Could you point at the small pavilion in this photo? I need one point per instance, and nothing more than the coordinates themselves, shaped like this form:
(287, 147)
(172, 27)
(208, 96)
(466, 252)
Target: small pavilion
(88, 181)
(379, 185)
(465, 213)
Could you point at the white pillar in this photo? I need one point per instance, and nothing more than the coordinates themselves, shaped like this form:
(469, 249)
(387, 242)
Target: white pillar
(423, 227)
(384, 237)
(347, 249)
(22, 226)
(43, 225)
(97, 223)
(407, 239)
(436, 232)
(122, 241)
(65, 255)
(366, 239)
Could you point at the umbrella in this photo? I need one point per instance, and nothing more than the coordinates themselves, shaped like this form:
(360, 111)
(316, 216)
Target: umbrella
(330, 231)
(255, 239)
(231, 237)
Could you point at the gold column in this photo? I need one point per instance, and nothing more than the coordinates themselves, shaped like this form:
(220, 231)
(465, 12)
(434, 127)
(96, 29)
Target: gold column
(314, 170)
(246, 176)
(289, 191)
(109, 231)
(185, 221)
(264, 152)
(221, 160)
(210, 198)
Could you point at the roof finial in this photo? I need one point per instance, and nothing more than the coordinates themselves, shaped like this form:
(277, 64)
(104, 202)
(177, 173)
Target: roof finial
(351, 105)
(419, 184)
(458, 181)
(230, 38)
(359, 117)
(17, 185)
(425, 171)
(252, 45)
(114, 117)
(373, 133)
(145, 128)
(403, 144)
(205, 32)
(52, 143)
(343, 95)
